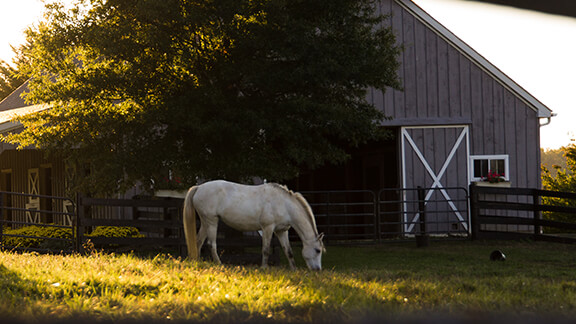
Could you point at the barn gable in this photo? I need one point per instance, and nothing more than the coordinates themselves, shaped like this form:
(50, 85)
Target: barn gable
(447, 84)
(435, 60)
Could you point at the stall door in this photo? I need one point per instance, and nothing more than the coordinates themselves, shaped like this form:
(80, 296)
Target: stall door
(436, 160)
(33, 201)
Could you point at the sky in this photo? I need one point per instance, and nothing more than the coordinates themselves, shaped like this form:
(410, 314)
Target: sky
(16, 16)
(535, 49)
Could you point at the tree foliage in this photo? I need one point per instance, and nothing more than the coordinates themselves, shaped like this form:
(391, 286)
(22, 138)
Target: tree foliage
(561, 179)
(553, 159)
(9, 79)
(207, 89)
(561, 174)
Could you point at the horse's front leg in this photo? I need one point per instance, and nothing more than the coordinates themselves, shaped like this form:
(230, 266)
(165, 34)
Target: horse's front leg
(266, 240)
(285, 243)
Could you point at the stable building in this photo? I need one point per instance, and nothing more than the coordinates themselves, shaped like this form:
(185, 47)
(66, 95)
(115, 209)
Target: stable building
(457, 119)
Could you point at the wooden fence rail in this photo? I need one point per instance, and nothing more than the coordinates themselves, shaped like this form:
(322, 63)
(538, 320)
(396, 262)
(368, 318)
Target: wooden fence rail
(347, 216)
(487, 202)
(167, 224)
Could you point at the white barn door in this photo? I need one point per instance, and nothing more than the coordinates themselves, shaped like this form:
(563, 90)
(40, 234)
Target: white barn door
(33, 203)
(435, 158)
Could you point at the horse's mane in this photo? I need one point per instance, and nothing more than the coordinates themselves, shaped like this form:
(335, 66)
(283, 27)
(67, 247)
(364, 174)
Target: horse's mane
(301, 200)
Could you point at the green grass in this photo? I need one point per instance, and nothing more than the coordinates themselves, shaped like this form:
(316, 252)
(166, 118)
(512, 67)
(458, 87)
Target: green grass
(391, 281)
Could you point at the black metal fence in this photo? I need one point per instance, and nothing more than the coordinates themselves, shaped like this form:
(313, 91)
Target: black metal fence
(441, 211)
(345, 215)
(363, 215)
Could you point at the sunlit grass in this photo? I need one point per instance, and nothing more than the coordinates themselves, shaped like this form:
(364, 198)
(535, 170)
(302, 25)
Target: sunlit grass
(387, 281)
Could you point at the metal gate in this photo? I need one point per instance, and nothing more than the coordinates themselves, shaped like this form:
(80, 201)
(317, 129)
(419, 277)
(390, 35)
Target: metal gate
(413, 211)
(345, 215)
(362, 215)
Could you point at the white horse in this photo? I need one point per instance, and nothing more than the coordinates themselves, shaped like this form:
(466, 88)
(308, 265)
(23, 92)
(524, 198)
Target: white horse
(270, 207)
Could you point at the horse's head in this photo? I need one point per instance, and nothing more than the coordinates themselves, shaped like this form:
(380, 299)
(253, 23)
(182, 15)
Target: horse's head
(312, 252)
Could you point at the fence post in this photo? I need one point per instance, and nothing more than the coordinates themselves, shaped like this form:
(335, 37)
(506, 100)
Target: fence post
(537, 215)
(327, 206)
(422, 238)
(474, 221)
(376, 204)
(2, 200)
(79, 229)
(183, 248)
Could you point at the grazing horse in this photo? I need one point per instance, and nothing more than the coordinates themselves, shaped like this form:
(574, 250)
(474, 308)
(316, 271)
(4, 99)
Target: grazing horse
(269, 207)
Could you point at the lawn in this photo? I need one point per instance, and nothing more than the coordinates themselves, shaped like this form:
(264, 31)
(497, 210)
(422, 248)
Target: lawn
(385, 282)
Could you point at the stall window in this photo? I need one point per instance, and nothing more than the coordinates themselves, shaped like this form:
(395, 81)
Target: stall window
(481, 165)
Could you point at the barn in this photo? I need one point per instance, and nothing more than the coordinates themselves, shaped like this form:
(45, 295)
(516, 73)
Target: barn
(457, 118)
(28, 171)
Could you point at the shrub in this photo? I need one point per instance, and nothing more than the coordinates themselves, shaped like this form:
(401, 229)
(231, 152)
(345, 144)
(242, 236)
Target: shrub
(112, 232)
(115, 231)
(39, 237)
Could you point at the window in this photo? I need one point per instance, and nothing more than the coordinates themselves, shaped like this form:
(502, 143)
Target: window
(480, 165)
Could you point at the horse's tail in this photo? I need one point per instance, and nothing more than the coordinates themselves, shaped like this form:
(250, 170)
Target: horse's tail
(189, 219)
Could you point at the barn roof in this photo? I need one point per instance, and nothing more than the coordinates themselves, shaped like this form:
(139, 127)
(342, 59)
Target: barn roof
(472, 55)
(14, 99)
(15, 106)
(7, 117)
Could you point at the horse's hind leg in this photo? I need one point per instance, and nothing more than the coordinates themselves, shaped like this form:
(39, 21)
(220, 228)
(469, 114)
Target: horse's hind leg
(285, 243)
(212, 232)
(201, 237)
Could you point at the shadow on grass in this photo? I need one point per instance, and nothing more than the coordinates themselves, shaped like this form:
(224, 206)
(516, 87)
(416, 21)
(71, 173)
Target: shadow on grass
(16, 295)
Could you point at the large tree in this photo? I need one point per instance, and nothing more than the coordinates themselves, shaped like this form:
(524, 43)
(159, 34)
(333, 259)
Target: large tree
(207, 89)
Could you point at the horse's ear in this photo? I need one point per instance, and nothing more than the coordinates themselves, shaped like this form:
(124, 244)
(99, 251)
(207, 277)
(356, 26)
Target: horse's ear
(319, 238)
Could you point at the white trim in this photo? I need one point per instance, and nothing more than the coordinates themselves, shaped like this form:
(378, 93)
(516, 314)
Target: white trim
(489, 157)
(475, 57)
(8, 118)
(33, 204)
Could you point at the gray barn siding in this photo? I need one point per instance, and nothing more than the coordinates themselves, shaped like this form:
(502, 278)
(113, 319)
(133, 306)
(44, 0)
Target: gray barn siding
(443, 86)
(17, 163)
